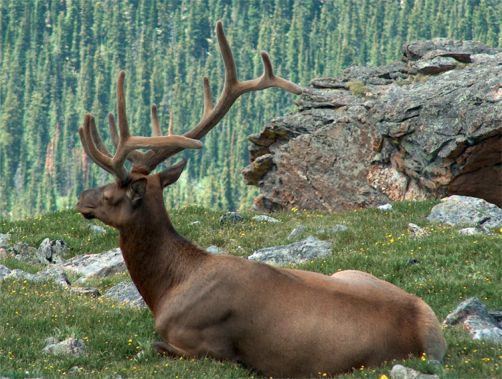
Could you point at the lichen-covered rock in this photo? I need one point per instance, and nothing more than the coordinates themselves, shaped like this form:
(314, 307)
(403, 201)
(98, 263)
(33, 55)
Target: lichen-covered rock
(126, 293)
(70, 346)
(402, 372)
(466, 210)
(231, 217)
(476, 320)
(96, 265)
(265, 218)
(298, 252)
(422, 128)
(51, 251)
(5, 240)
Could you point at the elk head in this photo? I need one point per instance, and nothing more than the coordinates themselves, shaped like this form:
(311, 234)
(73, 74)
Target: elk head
(137, 194)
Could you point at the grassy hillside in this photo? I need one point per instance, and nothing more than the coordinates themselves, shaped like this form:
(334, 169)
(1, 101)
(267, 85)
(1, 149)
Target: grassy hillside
(450, 268)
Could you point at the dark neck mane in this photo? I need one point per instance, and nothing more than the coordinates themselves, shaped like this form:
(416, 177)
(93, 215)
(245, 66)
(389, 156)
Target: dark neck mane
(157, 257)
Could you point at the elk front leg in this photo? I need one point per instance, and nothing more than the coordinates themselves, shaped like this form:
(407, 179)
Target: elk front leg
(164, 348)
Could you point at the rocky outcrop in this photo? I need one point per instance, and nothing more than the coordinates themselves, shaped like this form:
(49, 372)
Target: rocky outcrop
(424, 127)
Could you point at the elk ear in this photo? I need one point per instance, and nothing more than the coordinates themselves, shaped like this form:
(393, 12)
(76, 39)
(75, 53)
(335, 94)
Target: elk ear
(137, 190)
(171, 174)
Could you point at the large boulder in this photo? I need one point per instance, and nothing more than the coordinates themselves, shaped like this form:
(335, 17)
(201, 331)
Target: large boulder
(466, 210)
(96, 265)
(425, 127)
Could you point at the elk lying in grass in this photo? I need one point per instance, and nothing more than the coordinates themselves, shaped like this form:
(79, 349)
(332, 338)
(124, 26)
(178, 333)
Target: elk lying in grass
(279, 322)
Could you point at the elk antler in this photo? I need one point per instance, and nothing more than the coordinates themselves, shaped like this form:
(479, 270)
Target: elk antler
(126, 144)
(233, 88)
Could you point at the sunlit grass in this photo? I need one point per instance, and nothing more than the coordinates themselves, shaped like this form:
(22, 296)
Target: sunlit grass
(450, 268)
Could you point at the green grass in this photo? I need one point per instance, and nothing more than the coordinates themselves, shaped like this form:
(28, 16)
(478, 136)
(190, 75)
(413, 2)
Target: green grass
(451, 268)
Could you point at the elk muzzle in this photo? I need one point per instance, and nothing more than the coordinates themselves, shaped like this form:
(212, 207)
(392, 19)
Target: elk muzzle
(88, 201)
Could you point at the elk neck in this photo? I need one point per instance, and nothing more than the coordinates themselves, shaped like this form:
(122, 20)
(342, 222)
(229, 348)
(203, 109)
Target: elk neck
(157, 257)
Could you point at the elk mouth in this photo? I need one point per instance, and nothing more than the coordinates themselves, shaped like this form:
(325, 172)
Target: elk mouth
(88, 215)
(87, 212)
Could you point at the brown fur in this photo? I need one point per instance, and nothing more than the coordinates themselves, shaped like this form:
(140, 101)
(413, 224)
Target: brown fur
(280, 322)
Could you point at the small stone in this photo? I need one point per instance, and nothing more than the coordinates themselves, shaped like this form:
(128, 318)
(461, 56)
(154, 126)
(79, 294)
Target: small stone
(265, 218)
(385, 207)
(4, 240)
(401, 372)
(70, 346)
(86, 291)
(96, 229)
(196, 222)
(412, 261)
(470, 231)
(296, 232)
(3, 253)
(416, 231)
(338, 228)
(231, 217)
(4, 272)
(213, 249)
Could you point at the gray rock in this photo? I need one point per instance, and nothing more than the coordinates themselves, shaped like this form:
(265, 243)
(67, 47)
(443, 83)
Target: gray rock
(55, 274)
(126, 293)
(416, 231)
(476, 319)
(4, 272)
(298, 252)
(402, 372)
(466, 210)
(96, 229)
(5, 240)
(470, 231)
(265, 218)
(25, 253)
(196, 222)
(231, 217)
(23, 275)
(338, 228)
(213, 249)
(69, 346)
(385, 207)
(86, 291)
(296, 232)
(436, 65)
(96, 265)
(51, 251)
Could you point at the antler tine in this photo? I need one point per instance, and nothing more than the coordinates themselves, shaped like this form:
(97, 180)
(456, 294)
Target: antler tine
(90, 146)
(125, 144)
(233, 88)
(155, 122)
(208, 101)
(228, 58)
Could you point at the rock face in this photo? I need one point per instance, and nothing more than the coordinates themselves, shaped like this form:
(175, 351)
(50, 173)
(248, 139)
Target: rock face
(298, 252)
(465, 210)
(425, 127)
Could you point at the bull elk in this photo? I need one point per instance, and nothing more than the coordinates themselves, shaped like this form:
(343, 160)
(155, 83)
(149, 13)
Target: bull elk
(279, 322)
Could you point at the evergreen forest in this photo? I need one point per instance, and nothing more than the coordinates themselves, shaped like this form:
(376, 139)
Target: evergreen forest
(60, 58)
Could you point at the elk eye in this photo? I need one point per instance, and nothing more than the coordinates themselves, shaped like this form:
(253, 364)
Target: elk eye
(106, 197)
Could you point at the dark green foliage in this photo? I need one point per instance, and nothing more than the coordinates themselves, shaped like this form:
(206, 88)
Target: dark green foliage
(60, 59)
